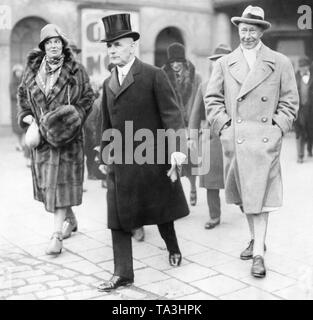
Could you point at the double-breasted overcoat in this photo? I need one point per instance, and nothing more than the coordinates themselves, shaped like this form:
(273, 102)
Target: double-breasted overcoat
(262, 105)
(141, 194)
(57, 172)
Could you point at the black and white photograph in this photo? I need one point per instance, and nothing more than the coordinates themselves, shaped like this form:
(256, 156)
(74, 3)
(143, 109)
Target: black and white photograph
(156, 150)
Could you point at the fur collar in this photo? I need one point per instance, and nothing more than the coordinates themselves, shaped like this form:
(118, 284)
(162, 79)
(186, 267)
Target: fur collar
(36, 56)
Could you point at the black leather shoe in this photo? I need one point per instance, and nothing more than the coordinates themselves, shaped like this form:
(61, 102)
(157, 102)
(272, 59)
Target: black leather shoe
(114, 283)
(247, 254)
(258, 268)
(175, 259)
(212, 225)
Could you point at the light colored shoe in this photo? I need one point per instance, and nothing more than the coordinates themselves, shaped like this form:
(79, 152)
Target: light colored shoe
(139, 234)
(55, 245)
(70, 225)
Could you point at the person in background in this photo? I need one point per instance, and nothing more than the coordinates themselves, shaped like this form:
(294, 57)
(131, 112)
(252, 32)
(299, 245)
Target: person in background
(304, 122)
(17, 73)
(185, 81)
(213, 181)
(75, 49)
(54, 87)
(251, 102)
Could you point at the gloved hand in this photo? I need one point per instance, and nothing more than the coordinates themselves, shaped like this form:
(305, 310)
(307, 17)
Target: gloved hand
(28, 119)
(103, 169)
(177, 159)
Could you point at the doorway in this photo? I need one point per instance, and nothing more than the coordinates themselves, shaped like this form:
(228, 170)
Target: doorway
(166, 37)
(25, 37)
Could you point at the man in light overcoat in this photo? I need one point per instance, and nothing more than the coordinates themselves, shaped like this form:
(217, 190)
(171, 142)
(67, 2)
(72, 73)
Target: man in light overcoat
(251, 102)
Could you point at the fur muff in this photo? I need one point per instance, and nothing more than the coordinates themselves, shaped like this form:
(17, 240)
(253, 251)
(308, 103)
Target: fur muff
(61, 125)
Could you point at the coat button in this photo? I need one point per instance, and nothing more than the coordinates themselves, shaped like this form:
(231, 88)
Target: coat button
(239, 120)
(264, 99)
(240, 141)
(264, 119)
(239, 99)
(265, 140)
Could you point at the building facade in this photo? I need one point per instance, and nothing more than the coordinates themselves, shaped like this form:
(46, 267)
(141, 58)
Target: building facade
(199, 24)
(160, 22)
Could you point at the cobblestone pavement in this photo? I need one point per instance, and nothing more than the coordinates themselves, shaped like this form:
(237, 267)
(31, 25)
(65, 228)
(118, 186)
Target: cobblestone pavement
(210, 269)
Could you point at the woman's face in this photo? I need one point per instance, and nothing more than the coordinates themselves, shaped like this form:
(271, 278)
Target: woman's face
(177, 66)
(53, 47)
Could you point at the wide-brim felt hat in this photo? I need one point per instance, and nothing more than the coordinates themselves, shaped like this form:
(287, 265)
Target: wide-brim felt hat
(220, 51)
(252, 15)
(51, 31)
(117, 26)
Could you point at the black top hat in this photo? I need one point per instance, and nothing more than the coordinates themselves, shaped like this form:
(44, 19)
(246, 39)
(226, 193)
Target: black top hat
(118, 26)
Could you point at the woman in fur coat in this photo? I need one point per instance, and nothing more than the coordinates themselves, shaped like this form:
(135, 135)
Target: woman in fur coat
(56, 93)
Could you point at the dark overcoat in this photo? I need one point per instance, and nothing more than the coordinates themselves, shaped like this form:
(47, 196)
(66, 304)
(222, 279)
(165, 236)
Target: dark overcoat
(141, 194)
(57, 172)
(262, 105)
(214, 178)
(304, 122)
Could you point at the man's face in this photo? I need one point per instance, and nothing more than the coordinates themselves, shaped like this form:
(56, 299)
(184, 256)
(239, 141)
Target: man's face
(121, 51)
(249, 35)
(177, 66)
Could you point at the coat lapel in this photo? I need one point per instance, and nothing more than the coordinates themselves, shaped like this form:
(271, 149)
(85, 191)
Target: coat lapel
(60, 83)
(113, 82)
(264, 66)
(128, 81)
(238, 66)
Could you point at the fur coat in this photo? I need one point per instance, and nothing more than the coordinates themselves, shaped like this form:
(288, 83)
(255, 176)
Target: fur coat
(57, 172)
(185, 89)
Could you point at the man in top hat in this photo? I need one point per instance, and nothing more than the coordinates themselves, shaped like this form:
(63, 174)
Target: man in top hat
(304, 122)
(74, 48)
(251, 102)
(138, 194)
(213, 181)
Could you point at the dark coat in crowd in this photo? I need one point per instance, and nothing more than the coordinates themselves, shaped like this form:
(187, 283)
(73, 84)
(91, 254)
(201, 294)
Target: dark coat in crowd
(214, 178)
(304, 122)
(57, 172)
(262, 106)
(186, 88)
(141, 194)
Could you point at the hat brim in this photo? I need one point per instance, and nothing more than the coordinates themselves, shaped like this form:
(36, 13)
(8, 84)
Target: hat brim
(77, 50)
(264, 24)
(217, 56)
(130, 34)
(41, 44)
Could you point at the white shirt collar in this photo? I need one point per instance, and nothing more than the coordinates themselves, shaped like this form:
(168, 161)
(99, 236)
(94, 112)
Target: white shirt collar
(251, 54)
(125, 69)
(255, 49)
